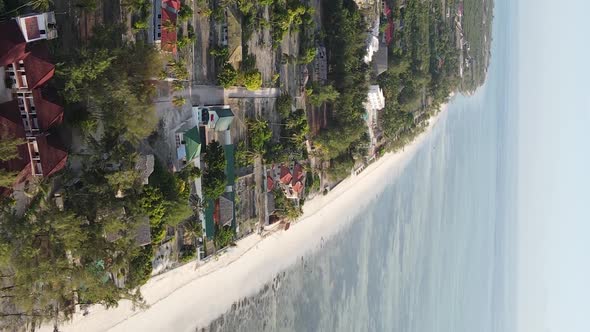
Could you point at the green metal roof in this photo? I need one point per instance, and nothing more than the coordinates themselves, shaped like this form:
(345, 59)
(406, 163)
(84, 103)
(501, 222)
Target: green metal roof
(226, 116)
(192, 143)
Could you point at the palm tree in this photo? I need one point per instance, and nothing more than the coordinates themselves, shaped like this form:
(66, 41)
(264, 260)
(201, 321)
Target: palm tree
(38, 5)
(169, 26)
(178, 101)
(196, 203)
(193, 229)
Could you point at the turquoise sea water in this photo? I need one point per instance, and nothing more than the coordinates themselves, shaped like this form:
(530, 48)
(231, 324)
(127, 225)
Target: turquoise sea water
(432, 252)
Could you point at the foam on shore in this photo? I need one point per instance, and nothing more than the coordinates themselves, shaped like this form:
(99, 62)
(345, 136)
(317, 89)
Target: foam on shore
(191, 295)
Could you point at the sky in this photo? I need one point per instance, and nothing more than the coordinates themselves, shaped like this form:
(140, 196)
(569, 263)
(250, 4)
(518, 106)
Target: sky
(553, 274)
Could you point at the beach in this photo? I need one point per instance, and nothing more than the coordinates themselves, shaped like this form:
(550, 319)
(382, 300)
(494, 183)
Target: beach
(193, 295)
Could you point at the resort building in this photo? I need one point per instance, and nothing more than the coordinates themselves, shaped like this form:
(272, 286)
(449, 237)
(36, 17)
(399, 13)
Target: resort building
(375, 102)
(163, 30)
(372, 43)
(375, 99)
(28, 110)
(290, 178)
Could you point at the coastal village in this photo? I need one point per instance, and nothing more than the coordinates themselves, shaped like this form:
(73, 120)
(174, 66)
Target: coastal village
(138, 136)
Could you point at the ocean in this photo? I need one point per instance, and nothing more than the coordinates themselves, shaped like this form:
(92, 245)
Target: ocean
(433, 251)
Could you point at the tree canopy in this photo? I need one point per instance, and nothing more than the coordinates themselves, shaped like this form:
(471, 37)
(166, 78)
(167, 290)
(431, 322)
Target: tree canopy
(214, 179)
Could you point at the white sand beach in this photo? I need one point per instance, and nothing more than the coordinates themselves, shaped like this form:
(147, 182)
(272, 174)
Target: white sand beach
(191, 296)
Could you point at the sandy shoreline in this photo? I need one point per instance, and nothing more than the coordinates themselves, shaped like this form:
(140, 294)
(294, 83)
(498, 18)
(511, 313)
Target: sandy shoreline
(191, 296)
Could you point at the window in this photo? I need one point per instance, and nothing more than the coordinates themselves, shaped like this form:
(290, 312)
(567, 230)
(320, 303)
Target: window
(42, 31)
(159, 15)
(38, 168)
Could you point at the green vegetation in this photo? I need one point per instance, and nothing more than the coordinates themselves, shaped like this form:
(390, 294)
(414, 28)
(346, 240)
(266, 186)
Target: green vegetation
(477, 22)
(259, 135)
(178, 101)
(421, 74)
(114, 77)
(177, 69)
(185, 13)
(8, 151)
(286, 208)
(165, 199)
(252, 80)
(8, 148)
(285, 15)
(319, 94)
(349, 73)
(227, 75)
(214, 179)
(291, 144)
(141, 9)
(224, 236)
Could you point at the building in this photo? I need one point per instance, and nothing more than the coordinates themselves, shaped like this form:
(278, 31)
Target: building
(372, 43)
(165, 17)
(215, 123)
(145, 167)
(290, 178)
(375, 99)
(218, 118)
(37, 26)
(320, 66)
(28, 109)
(375, 102)
(224, 211)
(188, 145)
(380, 60)
(230, 35)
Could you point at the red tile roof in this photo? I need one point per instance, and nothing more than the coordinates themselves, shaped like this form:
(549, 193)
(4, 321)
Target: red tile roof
(389, 33)
(37, 66)
(32, 27)
(298, 187)
(53, 154)
(285, 175)
(12, 43)
(168, 37)
(386, 9)
(49, 113)
(270, 184)
(171, 3)
(297, 174)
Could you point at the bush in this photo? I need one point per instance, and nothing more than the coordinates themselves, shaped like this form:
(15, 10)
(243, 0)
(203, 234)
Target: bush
(214, 179)
(223, 237)
(178, 101)
(188, 253)
(140, 267)
(227, 76)
(252, 80)
(185, 13)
